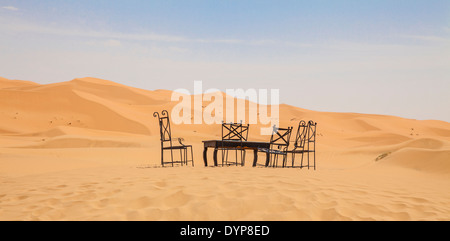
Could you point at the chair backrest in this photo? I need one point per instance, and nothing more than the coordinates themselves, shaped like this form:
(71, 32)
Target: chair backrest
(281, 136)
(235, 131)
(302, 132)
(312, 131)
(164, 125)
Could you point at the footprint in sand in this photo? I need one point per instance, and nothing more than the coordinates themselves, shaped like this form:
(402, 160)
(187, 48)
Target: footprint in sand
(114, 180)
(88, 185)
(40, 211)
(116, 191)
(134, 216)
(20, 198)
(53, 201)
(113, 192)
(86, 196)
(102, 203)
(153, 214)
(177, 199)
(332, 214)
(418, 200)
(31, 207)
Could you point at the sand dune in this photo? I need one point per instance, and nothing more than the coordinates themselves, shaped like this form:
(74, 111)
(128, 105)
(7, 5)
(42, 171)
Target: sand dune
(433, 161)
(14, 84)
(88, 149)
(47, 106)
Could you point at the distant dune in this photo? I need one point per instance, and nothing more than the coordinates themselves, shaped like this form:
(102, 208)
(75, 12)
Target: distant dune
(88, 149)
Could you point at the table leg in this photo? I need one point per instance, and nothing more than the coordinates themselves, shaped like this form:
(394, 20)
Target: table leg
(255, 157)
(215, 157)
(267, 159)
(205, 150)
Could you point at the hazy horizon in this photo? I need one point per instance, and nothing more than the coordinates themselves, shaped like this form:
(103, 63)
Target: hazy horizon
(374, 57)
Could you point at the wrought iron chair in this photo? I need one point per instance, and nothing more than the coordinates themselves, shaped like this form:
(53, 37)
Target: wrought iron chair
(299, 144)
(234, 132)
(279, 143)
(305, 143)
(167, 141)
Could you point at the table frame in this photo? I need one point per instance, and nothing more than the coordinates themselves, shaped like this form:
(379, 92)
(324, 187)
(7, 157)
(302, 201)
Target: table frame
(246, 145)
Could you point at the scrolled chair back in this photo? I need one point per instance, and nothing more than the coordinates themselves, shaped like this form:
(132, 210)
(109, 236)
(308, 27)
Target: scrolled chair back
(164, 125)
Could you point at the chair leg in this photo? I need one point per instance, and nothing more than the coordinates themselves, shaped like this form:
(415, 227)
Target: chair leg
(278, 156)
(162, 157)
(293, 158)
(225, 157)
(276, 161)
(186, 155)
(181, 157)
(285, 159)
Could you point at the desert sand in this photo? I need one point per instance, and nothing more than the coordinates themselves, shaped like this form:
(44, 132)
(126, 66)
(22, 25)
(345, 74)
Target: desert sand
(88, 149)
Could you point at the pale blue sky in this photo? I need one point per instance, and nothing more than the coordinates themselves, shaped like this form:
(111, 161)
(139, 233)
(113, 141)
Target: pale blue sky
(374, 56)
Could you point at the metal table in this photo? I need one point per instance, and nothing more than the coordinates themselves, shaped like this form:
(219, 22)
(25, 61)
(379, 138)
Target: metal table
(253, 145)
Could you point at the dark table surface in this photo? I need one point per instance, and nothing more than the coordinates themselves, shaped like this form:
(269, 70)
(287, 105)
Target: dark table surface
(254, 145)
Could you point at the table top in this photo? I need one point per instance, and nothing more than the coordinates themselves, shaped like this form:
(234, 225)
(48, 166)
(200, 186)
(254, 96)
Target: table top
(219, 143)
(236, 141)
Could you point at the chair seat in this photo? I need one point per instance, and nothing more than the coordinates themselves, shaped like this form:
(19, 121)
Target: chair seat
(271, 151)
(176, 147)
(230, 148)
(297, 151)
